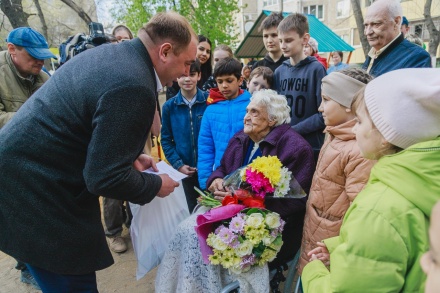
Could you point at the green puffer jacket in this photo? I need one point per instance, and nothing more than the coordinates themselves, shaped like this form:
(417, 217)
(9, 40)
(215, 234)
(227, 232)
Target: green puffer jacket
(14, 89)
(385, 230)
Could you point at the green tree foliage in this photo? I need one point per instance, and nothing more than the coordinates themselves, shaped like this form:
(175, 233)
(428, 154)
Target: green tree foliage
(212, 18)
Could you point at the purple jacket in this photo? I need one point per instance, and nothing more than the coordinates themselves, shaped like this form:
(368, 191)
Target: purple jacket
(297, 155)
(293, 151)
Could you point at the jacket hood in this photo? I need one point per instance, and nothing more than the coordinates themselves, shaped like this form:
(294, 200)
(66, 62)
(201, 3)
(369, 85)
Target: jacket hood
(414, 173)
(216, 96)
(302, 63)
(342, 131)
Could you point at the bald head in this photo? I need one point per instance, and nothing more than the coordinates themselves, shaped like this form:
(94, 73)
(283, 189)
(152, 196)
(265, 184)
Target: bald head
(382, 22)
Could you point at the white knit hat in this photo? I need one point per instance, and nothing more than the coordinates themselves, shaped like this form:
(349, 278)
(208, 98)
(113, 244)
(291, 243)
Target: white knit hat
(405, 105)
(314, 44)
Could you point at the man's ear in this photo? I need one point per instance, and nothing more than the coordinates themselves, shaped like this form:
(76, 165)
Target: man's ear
(164, 51)
(398, 21)
(11, 49)
(306, 39)
(199, 76)
(240, 80)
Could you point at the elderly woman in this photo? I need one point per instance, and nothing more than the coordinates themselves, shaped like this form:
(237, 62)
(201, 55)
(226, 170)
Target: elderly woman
(266, 132)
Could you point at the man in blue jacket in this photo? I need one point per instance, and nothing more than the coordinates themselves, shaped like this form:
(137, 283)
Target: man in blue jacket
(79, 136)
(389, 49)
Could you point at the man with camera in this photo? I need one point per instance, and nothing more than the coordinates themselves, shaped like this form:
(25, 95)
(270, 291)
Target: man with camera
(80, 136)
(20, 69)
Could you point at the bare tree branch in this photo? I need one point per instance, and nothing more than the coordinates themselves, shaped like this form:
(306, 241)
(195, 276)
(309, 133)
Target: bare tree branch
(78, 10)
(434, 34)
(13, 9)
(357, 11)
(41, 16)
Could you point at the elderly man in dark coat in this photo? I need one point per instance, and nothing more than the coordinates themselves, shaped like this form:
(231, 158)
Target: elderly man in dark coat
(81, 135)
(389, 48)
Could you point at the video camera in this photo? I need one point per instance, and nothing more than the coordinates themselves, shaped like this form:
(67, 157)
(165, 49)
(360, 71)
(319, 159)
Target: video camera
(81, 42)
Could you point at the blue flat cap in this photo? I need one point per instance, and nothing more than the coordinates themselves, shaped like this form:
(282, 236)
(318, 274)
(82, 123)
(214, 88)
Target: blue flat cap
(34, 42)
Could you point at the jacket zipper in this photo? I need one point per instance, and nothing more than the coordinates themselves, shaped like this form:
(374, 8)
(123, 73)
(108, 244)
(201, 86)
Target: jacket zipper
(192, 136)
(425, 149)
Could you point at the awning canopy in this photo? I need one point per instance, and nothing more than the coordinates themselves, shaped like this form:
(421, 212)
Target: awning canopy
(252, 46)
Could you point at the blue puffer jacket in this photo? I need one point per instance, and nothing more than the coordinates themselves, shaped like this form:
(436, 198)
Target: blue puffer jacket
(220, 122)
(180, 129)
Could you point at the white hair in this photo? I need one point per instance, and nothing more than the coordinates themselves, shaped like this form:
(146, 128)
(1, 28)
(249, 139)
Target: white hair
(275, 104)
(393, 8)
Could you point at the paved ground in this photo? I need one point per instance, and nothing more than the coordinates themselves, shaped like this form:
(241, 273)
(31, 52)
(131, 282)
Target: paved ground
(119, 278)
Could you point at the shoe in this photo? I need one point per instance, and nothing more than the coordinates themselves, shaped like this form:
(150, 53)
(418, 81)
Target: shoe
(27, 278)
(117, 244)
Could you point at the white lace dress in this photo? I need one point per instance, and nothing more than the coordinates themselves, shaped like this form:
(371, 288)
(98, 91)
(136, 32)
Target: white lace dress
(182, 268)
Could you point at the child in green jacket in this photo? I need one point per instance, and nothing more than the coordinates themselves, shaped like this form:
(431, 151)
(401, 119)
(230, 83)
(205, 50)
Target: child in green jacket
(431, 260)
(385, 231)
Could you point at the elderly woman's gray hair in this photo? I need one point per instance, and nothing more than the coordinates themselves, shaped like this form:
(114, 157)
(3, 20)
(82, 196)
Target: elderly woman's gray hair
(275, 104)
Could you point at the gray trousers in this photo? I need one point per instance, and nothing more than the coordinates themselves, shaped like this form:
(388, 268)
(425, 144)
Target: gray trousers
(115, 215)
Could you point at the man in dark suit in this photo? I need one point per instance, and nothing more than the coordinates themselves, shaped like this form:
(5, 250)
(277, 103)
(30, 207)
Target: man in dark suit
(79, 136)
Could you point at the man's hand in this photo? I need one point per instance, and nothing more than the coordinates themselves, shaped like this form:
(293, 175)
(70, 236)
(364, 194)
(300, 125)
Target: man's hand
(143, 162)
(218, 189)
(168, 185)
(187, 170)
(320, 252)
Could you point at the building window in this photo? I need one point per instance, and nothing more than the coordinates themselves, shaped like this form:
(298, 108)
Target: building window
(356, 39)
(316, 10)
(342, 8)
(270, 2)
(418, 30)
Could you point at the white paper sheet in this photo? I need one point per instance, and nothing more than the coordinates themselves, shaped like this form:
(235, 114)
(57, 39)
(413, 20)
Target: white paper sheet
(164, 168)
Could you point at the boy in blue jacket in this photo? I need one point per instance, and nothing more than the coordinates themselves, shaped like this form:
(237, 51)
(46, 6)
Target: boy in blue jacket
(181, 119)
(223, 117)
(299, 79)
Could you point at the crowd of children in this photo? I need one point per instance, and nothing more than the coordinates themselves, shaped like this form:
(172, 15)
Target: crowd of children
(373, 243)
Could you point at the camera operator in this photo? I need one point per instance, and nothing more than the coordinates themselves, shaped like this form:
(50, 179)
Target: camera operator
(80, 136)
(81, 42)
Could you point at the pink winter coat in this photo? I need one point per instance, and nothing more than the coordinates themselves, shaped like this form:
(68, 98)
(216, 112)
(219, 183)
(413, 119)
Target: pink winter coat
(340, 175)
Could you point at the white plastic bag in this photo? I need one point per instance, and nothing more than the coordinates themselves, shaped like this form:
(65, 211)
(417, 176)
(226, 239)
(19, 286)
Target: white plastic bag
(152, 227)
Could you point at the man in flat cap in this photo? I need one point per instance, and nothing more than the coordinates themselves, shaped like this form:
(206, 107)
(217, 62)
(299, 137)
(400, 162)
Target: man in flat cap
(20, 69)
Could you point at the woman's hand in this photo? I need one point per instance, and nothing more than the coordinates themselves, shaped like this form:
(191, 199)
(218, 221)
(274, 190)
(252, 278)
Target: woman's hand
(321, 253)
(143, 162)
(218, 189)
